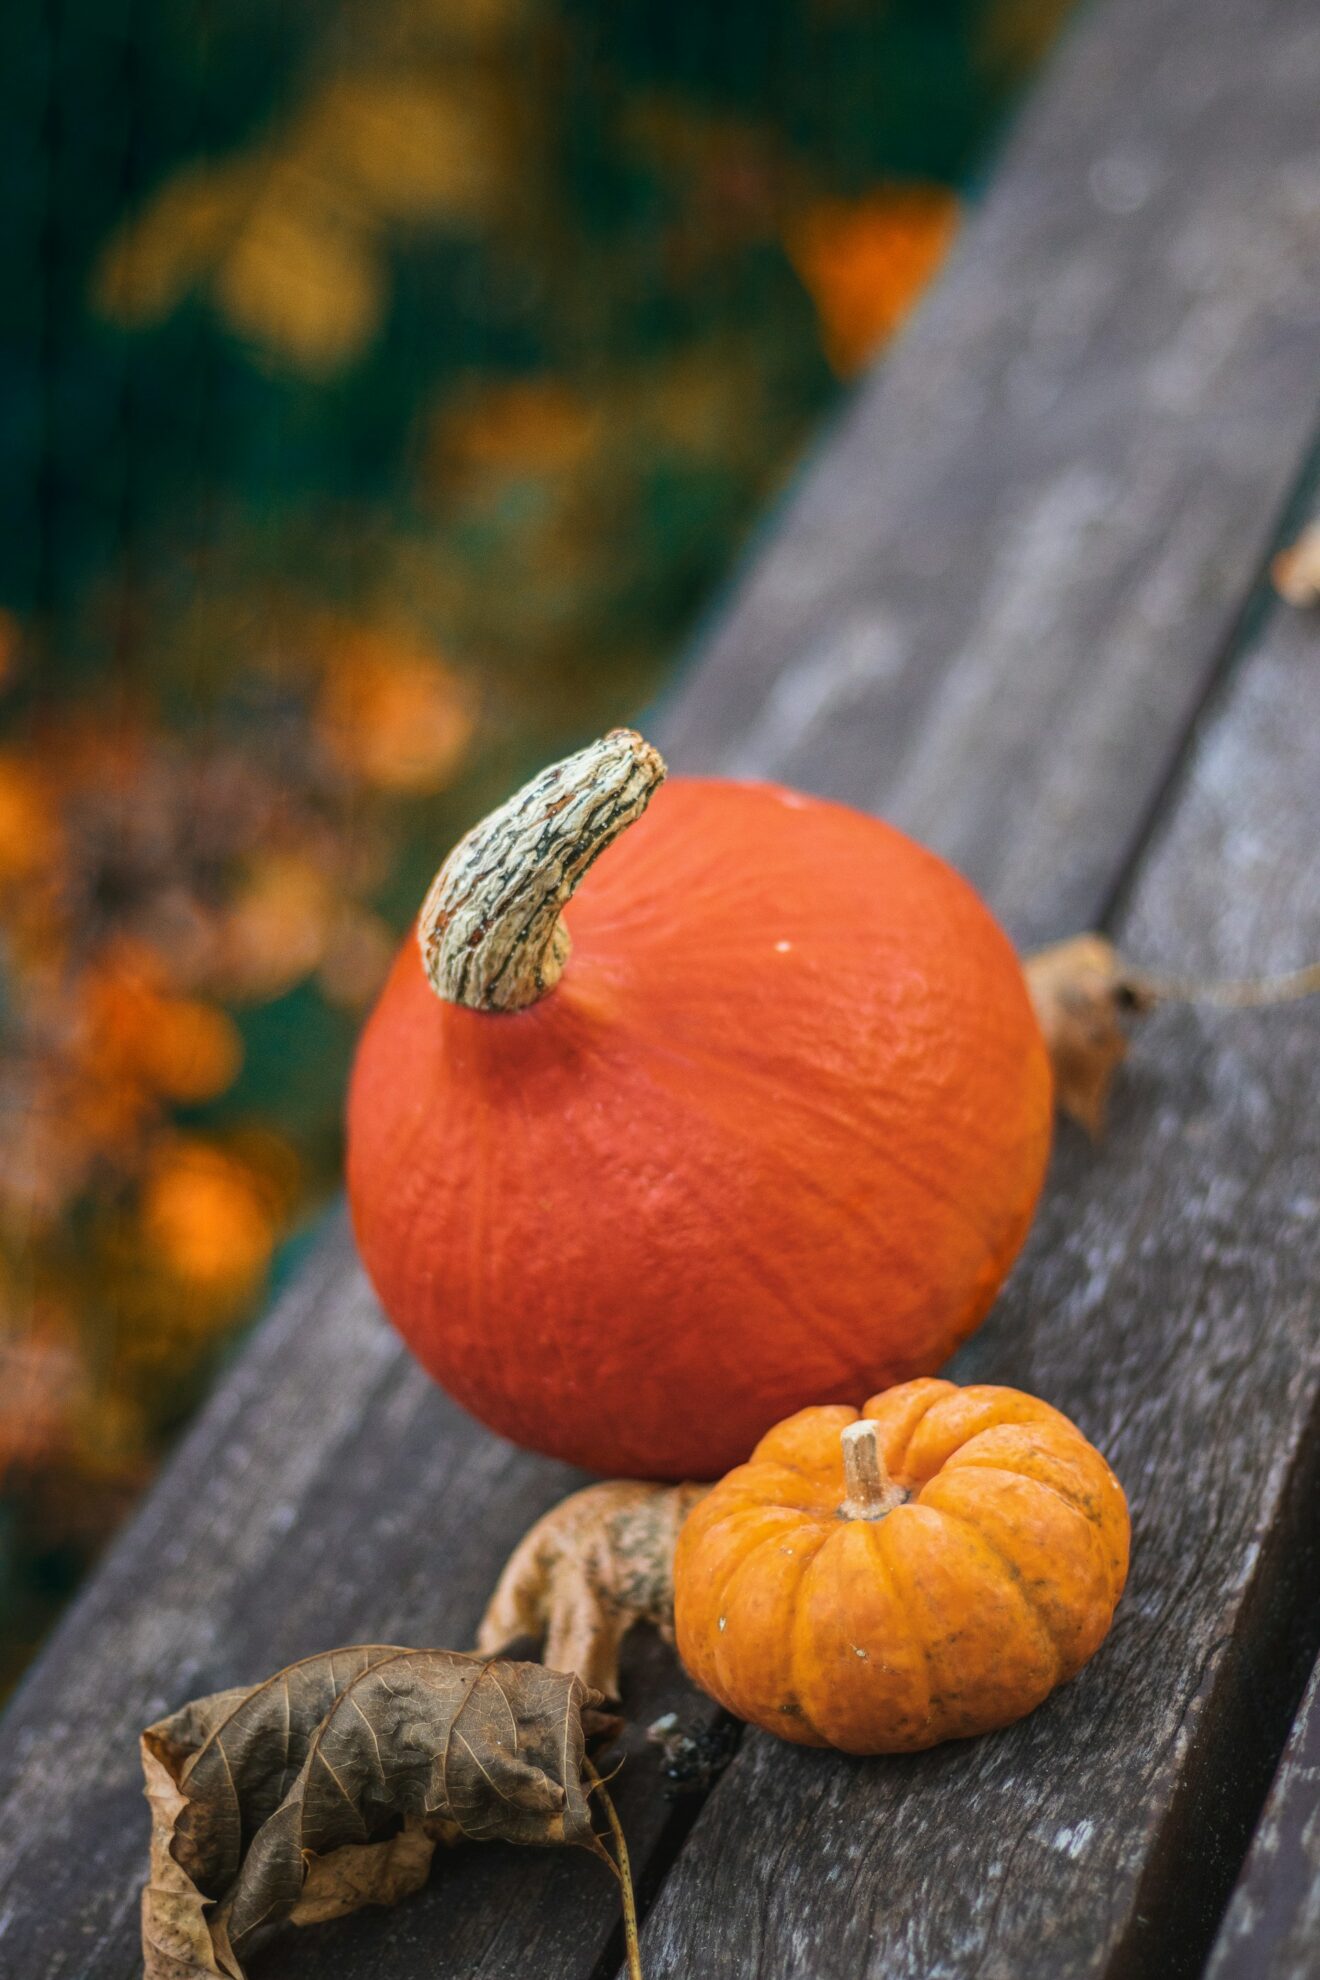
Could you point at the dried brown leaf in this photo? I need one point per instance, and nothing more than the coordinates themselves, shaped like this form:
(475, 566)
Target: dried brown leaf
(1296, 571)
(328, 1787)
(596, 1564)
(1082, 991)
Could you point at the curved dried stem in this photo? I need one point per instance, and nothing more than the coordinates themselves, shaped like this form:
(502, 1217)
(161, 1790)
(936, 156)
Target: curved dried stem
(490, 930)
(622, 1869)
(1244, 993)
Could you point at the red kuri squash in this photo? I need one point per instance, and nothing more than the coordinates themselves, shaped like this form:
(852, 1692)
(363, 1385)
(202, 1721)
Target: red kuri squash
(770, 1130)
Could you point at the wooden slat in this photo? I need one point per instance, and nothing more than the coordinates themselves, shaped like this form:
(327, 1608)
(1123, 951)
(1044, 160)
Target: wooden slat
(1167, 1303)
(1272, 1930)
(328, 1492)
(1001, 589)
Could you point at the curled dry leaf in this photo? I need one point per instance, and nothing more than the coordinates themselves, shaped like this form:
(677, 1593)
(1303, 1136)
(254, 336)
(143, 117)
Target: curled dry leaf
(596, 1564)
(1296, 571)
(329, 1786)
(1083, 991)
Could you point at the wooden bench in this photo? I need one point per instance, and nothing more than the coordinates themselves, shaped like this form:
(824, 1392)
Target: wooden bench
(1017, 604)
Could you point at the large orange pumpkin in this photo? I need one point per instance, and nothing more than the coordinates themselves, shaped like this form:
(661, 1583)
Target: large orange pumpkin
(772, 1131)
(928, 1570)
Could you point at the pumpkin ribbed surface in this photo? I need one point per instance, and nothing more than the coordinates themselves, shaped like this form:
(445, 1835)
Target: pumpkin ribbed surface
(955, 1612)
(775, 1135)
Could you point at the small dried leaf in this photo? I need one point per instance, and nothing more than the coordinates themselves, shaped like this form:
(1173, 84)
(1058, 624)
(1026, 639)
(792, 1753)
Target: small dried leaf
(328, 1787)
(596, 1564)
(1082, 991)
(1296, 572)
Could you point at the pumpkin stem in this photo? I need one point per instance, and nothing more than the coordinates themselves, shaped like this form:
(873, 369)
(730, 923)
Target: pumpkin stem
(490, 930)
(871, 1491)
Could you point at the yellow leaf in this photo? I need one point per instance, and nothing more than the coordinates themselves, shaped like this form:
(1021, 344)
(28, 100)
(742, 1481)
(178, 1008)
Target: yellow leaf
(522, 426)
(159, 253)
(409, 147)
(135, 1035)
(29, 821)
(865, 262)
(195, 1052)
(206, 1217)
(301, 281)
(391, 711)
(276, 930)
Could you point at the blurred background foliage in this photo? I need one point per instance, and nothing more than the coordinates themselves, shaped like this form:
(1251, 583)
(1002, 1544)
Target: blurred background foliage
(384, 386)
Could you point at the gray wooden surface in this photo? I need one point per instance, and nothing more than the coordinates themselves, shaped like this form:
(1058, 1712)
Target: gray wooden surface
(1272, 1929)
(994, 612)
(996, 602)
(329, 1494)
(1166, 1302)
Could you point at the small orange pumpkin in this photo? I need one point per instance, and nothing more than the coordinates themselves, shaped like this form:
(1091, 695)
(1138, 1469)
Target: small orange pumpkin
(927, 1570)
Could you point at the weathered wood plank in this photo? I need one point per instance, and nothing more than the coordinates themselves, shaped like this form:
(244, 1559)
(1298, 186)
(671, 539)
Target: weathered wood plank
(1167, 1302)
(1272, 1929)
(329, 1492)
(1040, 517)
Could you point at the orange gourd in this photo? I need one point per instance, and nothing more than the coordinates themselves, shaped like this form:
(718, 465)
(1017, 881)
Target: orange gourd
(927, 1570)
(771, 1128)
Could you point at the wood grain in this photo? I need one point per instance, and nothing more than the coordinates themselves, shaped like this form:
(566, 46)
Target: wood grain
(1001, 589)
(1272, 1929)
(329, 1494)
(992, 613)
(1167, 1303)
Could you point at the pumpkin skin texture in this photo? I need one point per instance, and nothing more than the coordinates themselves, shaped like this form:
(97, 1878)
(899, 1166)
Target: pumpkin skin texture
(776, 1134)
(954, 1613)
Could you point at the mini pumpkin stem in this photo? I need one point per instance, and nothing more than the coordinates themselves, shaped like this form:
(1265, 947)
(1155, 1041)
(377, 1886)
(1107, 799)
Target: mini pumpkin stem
(490, 930)
(871, 1492)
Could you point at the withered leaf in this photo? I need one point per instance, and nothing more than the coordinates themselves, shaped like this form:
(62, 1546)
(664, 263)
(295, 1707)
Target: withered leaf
(593, 1566)
(1296, 571)
(1083, 991)
(328, 1787)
